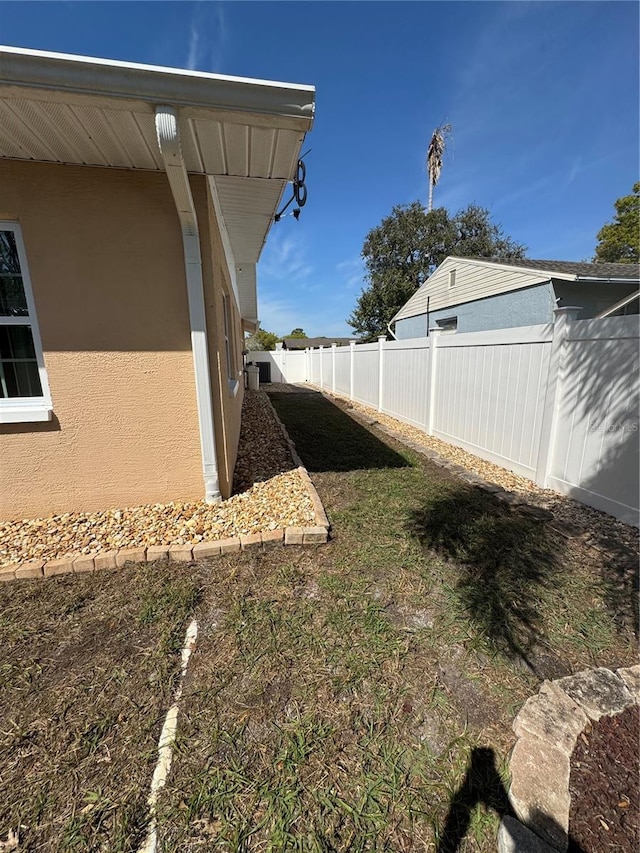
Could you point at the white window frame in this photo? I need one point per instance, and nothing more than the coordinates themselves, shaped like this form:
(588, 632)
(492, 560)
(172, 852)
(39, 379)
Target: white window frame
(228, 345)
(452, 277)
(16, 410)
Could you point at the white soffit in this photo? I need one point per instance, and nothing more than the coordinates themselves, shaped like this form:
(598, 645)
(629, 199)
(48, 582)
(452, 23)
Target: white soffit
(246, 133)
(248, 206)
(246, 279)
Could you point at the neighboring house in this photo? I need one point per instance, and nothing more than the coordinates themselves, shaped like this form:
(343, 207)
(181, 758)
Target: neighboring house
(134, 204)
(311, 343)
(473, 294)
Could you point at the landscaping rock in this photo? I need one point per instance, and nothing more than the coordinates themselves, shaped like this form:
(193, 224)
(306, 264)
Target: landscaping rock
(631, 677)
(539, 792)
(271, 495)
(598, 692)
(552, 716)
(514, 837)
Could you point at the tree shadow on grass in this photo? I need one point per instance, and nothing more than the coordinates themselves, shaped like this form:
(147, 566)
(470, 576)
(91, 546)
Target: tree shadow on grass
(327, 439)
(506, 560)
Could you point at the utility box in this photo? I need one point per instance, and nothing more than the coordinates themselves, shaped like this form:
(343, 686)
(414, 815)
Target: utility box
(253, 377)
(265, 372)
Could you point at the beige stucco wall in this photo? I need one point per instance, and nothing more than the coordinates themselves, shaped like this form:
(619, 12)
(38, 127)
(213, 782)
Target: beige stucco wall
(106, 263)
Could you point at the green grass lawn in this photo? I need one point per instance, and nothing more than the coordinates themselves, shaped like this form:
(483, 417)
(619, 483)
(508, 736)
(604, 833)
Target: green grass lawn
(359, 696)
(355, 696)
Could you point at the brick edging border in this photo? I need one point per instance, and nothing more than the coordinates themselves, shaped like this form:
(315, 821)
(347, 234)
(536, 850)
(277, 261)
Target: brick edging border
(315, 534)
(547, 728)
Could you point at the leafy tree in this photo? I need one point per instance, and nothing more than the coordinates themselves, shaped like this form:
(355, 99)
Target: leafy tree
(260, 341)
(297, 333)
(406, 247)
(619, 241)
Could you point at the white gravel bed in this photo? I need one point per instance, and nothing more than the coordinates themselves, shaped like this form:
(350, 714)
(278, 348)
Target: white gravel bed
(278, 498)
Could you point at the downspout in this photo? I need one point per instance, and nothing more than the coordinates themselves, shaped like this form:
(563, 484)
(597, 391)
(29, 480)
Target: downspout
(169, 143)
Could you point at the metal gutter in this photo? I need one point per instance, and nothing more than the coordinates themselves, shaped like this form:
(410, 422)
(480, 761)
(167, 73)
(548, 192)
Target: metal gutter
(63, 72)
(610, 280)
(169, 143)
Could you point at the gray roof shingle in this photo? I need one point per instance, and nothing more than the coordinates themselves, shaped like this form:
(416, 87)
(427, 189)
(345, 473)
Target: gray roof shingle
(583, 270)
(303, 343)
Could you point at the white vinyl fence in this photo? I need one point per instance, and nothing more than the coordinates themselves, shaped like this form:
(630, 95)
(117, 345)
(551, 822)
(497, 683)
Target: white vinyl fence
(558, 404)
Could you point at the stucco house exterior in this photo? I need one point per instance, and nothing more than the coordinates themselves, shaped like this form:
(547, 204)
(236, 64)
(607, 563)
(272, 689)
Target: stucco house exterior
(134, 204)
(474, 294)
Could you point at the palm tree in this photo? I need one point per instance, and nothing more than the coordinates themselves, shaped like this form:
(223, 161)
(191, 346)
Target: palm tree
(434, 158)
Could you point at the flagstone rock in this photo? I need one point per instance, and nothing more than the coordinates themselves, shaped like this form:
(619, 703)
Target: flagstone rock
(539, 792)
(514, 837)
(599, 692)
(552, 716)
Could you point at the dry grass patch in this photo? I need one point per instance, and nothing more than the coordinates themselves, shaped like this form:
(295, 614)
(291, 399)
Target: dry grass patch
(87, 671)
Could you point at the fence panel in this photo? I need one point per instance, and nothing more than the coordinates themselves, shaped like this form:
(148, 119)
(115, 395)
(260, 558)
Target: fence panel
(595, 456)
(343, 370)
(294, 365)
(489, 395)
(327, 367)
(562, 411)
(365, 374)
(405, 380)
(314, 356)
(286, 365)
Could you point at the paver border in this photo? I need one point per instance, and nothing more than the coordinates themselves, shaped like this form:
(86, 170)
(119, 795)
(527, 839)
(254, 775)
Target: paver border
(547, 728)
(317, 533)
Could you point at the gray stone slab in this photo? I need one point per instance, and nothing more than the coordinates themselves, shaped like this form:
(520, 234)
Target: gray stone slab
(552, 716)
(631, 677)
(539, 792)
(514, 837)
(599, 692)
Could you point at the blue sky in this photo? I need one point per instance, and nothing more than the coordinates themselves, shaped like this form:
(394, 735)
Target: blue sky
(543, 99)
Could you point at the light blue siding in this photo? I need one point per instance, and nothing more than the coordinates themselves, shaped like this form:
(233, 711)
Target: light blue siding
(526, 307)
(412, 327)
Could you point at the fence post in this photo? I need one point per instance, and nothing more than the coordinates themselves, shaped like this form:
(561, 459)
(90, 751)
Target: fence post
(352, 352)
(333, 367)
(434, 334)
(321, 377)
(306, 364)
(381, 340)
(563, 317)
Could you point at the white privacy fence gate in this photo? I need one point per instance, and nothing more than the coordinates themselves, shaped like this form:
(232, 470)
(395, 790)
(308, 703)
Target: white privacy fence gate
(558, 404)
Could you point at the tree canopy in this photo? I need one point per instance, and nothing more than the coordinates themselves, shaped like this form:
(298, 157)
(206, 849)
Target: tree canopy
(406, 247)
(261, 341)
(297, 333)
(619, 241)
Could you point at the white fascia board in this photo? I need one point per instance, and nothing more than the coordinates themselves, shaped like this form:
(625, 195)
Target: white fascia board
(61, 72)
(226, 241)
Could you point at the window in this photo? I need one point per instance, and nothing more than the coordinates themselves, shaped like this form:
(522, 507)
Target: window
(452, 278)
(24, 391)
(228, 344)
(447, 324)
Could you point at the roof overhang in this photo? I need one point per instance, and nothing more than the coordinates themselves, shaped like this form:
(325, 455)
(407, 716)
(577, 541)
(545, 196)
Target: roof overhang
(245, 133)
